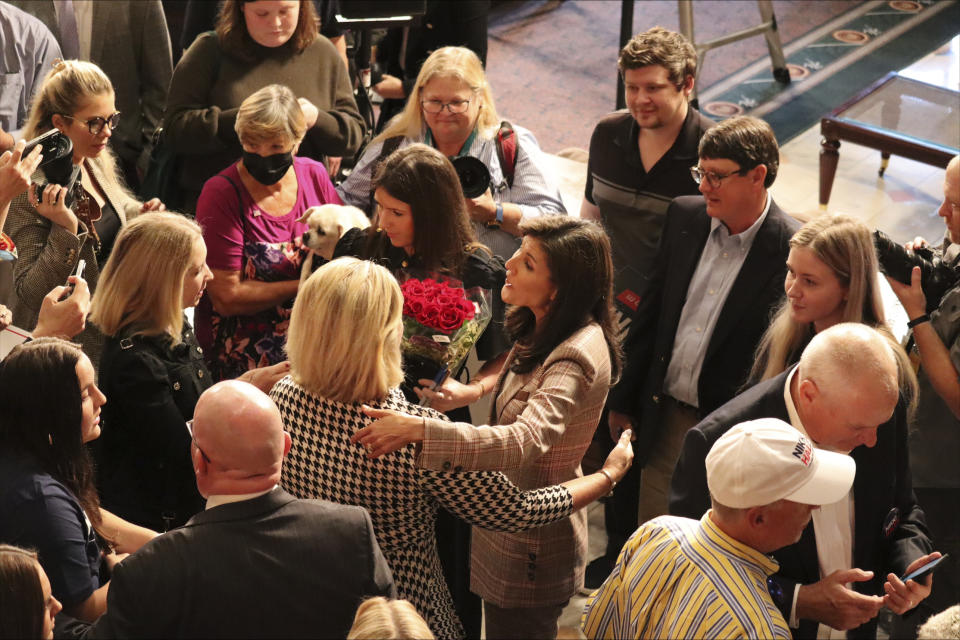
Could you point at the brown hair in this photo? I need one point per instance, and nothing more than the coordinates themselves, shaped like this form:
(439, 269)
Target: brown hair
(234, 38)
(22, 607)
(42, 415)
(658, 46)
(578, 257)
(746, 140)
(423, 178)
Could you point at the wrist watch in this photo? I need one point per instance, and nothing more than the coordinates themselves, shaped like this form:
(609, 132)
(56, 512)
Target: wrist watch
(498, 220)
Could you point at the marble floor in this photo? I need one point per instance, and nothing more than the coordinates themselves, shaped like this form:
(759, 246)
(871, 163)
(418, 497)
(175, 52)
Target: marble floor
(902, 203)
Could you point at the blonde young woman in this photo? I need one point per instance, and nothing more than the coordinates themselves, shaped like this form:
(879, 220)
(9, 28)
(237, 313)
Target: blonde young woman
(358, 334)
(451, 108)
(831, 278)
(76, 98)
(153, 371)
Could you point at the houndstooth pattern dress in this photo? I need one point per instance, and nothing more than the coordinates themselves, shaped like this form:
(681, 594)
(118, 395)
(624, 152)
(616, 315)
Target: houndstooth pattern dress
(402, 499)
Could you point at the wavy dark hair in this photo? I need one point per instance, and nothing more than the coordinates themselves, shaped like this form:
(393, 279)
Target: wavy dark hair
(425, 179)
(42, 415)
(21, 595)
(234, 38)
(578, 257)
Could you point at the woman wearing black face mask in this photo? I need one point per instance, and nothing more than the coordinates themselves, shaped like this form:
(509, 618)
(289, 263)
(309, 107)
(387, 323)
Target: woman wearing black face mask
(249, 213)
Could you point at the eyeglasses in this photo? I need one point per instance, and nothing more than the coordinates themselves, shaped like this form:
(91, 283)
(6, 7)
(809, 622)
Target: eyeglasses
(95, 125)
(206, 458)
(713, 179)
(436, 106)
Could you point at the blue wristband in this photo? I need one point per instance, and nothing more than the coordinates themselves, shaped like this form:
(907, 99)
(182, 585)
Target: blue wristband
(499, 213)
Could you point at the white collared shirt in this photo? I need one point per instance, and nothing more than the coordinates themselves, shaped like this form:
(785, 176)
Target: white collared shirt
(217, 500)
(832, 528)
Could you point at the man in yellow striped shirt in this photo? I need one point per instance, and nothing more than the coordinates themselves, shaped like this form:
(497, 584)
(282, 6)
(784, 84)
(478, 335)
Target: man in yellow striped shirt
(683, 578)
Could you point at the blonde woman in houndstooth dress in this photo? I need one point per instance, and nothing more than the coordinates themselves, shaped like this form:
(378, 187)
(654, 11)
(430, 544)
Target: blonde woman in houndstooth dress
(349, 356)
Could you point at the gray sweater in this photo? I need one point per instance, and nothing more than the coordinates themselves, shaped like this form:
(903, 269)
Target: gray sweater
(209, 84)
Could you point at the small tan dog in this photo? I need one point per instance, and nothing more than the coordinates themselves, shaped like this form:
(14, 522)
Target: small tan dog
(327, 225)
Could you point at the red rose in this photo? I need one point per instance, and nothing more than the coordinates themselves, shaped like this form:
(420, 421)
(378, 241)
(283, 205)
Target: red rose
(430, 315)
(412, 288)
(468, 309)
(415, 307)
(451, 319)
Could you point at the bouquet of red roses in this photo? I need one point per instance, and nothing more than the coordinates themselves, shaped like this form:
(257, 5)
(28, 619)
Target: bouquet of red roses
(441, 319)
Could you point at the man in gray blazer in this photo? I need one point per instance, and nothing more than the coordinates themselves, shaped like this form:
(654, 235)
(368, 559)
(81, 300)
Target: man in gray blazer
(258, 562)
(129, 40)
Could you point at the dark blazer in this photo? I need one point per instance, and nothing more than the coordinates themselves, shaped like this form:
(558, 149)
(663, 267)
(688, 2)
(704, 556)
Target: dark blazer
(882, 484)
(130, 42)
(745, 316)
(270, 567)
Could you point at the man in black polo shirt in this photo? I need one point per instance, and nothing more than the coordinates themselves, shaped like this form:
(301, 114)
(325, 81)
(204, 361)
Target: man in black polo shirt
(640, 160)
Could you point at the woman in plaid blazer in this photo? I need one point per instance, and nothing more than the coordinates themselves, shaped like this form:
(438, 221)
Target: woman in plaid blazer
(548, 396)
(348, 356)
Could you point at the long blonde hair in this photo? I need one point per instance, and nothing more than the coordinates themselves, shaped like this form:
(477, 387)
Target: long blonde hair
(447, 62)
(141, 286)
(843, 244)
(345, 329)
(65, 90)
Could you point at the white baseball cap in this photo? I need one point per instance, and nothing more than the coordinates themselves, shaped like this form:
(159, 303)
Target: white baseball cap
(762, 461)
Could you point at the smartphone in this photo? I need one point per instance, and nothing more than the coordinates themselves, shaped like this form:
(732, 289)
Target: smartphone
(930, 567)
(81, 265)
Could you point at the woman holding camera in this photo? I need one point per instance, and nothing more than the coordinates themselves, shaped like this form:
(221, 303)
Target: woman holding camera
(48, 501)
(153, 370)
(257, 43)
(323, 406)
(451, 108)
(547, 402)
(77, 99)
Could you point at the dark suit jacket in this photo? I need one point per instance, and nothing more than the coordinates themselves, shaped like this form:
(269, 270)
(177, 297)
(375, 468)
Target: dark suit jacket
(129, 41)
(882, 483)
(745, 316)
(271, 567)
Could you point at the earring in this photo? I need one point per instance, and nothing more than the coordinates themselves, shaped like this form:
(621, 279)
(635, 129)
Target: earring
(50, 439)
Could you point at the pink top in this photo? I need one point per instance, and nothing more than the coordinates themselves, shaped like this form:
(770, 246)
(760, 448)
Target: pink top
(223, 227)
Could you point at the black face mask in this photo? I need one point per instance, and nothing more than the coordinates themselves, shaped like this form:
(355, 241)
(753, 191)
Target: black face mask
(267, 170)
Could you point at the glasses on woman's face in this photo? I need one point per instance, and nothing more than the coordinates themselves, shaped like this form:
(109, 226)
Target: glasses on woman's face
(95, 125)
(436, 106)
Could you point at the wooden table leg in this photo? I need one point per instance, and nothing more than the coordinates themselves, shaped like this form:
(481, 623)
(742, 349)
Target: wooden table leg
(829, 156)
(884, 162)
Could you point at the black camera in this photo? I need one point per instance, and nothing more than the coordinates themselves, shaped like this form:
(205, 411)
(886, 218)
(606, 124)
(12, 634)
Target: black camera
(474, 175)
(936, 278)
(57, 164)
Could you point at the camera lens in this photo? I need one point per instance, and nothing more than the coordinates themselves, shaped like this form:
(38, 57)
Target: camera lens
(474, 175)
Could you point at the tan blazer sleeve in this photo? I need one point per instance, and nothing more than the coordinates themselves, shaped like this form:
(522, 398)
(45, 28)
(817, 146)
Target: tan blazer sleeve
(538, 420)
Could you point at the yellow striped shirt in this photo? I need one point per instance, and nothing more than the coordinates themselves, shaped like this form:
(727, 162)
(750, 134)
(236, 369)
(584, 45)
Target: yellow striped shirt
(679, 578)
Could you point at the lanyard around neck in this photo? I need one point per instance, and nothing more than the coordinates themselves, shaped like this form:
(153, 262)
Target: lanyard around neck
(428, 139)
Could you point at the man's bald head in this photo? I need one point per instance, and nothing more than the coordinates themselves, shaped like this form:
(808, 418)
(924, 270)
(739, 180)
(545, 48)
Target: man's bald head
(848, 385)
(240, 430)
